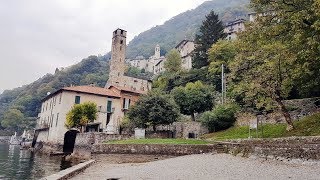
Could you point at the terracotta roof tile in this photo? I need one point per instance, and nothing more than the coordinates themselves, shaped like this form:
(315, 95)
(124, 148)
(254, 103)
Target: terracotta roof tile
(129, 89)
(92, 90)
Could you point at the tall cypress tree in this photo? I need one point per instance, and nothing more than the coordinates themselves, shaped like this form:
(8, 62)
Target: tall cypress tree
(210, 32)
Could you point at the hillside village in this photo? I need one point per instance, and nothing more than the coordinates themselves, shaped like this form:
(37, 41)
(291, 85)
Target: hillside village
(120, 91)
(113, 102)
(155, 63)
(248, 87)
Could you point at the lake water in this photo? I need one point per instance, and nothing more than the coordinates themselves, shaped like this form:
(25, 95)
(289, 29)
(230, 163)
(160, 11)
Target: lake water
(23, 164)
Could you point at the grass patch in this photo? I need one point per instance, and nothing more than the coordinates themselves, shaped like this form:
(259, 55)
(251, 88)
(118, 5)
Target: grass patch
(308, 126)
(158, 141)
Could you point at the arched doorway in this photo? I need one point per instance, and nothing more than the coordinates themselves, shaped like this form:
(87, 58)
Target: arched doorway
(69, 140)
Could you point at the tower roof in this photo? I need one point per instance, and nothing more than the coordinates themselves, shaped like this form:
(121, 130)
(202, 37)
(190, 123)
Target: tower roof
(121, 29)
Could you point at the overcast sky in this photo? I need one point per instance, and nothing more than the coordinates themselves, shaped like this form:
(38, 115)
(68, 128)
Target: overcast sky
(36, 36)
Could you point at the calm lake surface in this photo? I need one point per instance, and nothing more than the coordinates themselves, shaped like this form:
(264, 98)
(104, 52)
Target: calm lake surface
(23, 164)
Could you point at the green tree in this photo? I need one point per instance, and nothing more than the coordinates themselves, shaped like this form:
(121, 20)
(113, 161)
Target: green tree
(193, 98)
(173, 64)
(81, 114)
(263, 74)
(210, 32)
(13, 120)
(222, 52)
(278, 53)
(220, 118)
(295, 24)
(153, 109)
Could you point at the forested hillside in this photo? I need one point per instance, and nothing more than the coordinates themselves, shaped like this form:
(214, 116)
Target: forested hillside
(184, 26)
(26, 99)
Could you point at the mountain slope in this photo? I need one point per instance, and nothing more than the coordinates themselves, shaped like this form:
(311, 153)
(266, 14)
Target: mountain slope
(184, 26)
(27, 99)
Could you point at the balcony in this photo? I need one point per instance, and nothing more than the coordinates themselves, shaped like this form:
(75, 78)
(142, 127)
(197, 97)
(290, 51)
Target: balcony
(106, 110)
(42, 126)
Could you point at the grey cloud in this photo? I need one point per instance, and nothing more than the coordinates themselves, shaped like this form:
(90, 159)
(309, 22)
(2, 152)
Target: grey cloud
(37, 36)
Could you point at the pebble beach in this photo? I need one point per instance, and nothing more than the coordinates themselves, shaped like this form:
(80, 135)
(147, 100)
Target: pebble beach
(201, 166)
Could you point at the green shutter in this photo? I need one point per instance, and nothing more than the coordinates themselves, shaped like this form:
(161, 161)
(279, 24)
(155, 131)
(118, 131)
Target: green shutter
(109, 106)
(77, 100)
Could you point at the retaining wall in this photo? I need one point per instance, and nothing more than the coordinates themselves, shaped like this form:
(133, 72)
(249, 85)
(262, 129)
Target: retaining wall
(160, 134)
(168, 149)
(85, 141)
(298, 108)
(303, 148)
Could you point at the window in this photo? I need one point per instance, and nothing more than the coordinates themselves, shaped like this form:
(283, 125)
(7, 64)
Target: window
(57, 119)
(60, 98)
(109, 106)
(121, 42)
(77, 100)
(126, 103)
(52, 117)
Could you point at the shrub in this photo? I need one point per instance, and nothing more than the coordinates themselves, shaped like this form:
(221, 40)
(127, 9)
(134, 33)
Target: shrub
(153, 109)
(220, 118)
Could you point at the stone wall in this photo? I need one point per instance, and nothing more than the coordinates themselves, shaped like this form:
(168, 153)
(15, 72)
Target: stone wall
(178, 130)
(284, 149)
(47, 147)
(168, 149)
(160, 134)
(305, 149)
(85, 139)
(298, 108)
(43, 136)
(184, 129)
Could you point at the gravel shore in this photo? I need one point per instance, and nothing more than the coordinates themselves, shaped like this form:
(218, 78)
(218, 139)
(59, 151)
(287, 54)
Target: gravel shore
(203, 166)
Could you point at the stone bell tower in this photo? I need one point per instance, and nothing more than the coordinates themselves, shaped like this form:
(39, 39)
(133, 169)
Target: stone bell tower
(157, 51)
(118, 55)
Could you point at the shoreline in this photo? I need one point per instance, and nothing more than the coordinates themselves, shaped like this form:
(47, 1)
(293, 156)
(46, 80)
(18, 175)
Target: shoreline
(198, 166)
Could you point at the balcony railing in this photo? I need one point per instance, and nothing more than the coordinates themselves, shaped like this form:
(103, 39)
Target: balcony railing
(42, 126)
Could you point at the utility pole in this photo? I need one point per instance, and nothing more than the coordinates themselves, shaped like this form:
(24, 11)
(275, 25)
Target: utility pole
(222, 89)
(223, 85)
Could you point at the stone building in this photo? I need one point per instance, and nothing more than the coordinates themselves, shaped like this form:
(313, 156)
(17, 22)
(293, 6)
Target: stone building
(118, 65)
(252, 16)
(54, 108)
(186, 48)
(113, 101)
(154, 64)
(233, 28)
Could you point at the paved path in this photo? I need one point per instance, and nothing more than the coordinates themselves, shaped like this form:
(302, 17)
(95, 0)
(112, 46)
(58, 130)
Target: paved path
(204, 166)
